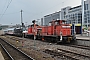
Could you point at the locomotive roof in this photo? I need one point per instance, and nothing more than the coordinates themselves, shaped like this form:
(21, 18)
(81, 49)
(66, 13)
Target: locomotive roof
(17, 28)
(33, 25)
(57, 21)
(60, 20)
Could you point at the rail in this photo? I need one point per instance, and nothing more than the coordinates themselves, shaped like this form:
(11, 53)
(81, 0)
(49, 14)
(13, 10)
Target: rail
(79, 46)
(66, 53)
(11, 58)
(18, 50)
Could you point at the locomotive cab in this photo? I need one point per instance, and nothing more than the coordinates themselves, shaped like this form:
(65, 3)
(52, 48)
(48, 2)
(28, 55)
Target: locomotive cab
(39, 30)
(62, 31)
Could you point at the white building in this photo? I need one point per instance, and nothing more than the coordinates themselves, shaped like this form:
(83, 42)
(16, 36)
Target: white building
(74, 15)
(50, 17)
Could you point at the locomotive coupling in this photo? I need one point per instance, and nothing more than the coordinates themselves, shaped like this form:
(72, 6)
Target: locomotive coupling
(69, 39)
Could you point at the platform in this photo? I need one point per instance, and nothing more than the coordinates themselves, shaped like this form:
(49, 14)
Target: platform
(1, 56)
(82, 37)
(82, 40)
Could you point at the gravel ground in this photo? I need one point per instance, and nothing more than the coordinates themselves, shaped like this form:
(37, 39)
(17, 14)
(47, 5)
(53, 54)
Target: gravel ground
(35, 48)
(29, 48)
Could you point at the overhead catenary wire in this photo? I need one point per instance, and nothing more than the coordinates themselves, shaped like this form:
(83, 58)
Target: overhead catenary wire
(3, 7)
(33, 14)
(10, 13)
(6, 9)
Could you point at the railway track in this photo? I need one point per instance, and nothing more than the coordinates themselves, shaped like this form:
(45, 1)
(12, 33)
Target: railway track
(79, 46)
(13, 52)
(66, 54)
(71, 45)
(69, 55)
(9, 57)
(13, 37)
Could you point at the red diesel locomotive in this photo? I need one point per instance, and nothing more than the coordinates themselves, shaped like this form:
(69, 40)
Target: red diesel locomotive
(57, 31)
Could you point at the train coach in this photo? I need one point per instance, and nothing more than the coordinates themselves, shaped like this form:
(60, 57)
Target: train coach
(13, 31)
(57, 31)
(9, 31)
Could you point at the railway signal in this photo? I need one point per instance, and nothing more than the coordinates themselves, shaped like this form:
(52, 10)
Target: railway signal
(34, 32)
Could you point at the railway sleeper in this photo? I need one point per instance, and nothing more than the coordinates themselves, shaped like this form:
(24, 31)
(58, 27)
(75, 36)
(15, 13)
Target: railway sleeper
(56, 53)
(74, 56)
(87, 56)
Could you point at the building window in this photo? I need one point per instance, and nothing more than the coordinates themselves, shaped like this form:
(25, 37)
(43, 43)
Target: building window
(88, 21)
(69, 15)
(85, 6)
(85, 21)
(64, 13)
(85, 12)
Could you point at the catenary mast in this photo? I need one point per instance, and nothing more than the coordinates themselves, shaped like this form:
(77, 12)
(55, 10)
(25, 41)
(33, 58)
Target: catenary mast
(82, 22)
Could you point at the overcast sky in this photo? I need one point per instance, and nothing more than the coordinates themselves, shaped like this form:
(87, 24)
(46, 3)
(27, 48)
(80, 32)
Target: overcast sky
(32, 9)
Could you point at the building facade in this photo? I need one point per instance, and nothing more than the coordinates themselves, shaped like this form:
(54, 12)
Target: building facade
(50, 17)
(74, 15)
(42, 22)
(71, 14)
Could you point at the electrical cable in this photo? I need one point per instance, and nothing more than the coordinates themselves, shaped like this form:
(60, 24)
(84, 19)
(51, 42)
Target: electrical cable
(4, 6)
(6, 9)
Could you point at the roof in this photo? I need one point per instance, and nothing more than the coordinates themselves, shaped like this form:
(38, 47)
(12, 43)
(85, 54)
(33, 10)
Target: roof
(10, 28)
(57, 21)
(52, 14)
(75, 7)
